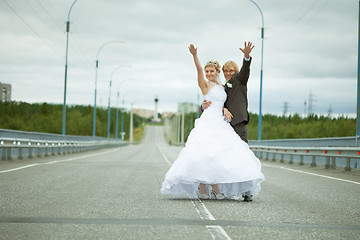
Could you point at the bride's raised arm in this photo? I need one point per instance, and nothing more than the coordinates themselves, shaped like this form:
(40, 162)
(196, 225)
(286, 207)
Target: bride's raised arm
(201, 80)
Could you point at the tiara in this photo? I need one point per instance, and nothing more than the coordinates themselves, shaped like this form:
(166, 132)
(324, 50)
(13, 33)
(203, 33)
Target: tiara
(211, 63)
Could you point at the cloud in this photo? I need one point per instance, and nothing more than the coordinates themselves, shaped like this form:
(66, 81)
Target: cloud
(308, 46)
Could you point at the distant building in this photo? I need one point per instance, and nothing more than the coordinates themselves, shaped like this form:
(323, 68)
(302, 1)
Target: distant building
(5, 93)
(144, 113)
(188, 107)
(167, 115)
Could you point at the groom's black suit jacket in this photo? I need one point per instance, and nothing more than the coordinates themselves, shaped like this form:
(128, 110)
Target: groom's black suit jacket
(236, 101)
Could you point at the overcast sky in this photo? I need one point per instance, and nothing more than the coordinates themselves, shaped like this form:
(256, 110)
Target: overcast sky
(310, 48)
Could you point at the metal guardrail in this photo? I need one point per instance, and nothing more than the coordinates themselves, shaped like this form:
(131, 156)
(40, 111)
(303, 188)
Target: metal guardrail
(310, 142)
(22, 144)
(330, 154)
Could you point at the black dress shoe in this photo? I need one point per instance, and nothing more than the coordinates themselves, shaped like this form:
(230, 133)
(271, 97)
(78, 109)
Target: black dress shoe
(247, 198)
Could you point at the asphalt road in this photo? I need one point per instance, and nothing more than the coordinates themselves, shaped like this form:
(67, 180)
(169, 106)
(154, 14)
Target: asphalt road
(115, 194)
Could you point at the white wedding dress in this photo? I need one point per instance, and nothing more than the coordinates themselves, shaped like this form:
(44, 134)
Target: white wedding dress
(214, 154)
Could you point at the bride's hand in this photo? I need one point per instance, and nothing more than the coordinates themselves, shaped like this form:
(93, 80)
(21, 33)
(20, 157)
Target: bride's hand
(205, 104)
(192, 49)
(227, 114)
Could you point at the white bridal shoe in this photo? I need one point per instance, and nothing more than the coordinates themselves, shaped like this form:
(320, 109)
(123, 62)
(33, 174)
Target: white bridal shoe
(204, 196)
(219, 196)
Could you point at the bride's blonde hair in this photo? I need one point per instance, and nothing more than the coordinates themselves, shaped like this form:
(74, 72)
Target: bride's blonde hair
(214, 64)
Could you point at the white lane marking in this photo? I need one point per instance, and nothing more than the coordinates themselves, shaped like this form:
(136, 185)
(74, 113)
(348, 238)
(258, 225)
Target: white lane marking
(163, 154)
(19, 168)
(313, 174)
(204, 213)
(216, 232)
(57, 161)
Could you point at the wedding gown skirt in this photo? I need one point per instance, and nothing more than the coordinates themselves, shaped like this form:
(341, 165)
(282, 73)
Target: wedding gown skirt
(214, 154)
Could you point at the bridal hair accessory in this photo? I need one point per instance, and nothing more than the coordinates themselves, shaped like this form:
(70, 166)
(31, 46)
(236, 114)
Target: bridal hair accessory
(211, 63)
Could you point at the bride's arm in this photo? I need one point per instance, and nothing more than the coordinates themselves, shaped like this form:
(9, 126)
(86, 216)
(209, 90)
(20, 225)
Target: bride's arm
(201, 79)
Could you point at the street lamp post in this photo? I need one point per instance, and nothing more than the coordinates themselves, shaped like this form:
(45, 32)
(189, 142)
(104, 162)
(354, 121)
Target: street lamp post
(358, 82)
(66, 66)
(122, 115)
(122, 124)
(96, 75)
(108, 123)
(131, 131)
(117, 112)
(261, 70)
(117, 115)
(109, 109)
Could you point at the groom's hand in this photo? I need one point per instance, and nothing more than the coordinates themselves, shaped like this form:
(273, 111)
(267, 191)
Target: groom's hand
(247, 49)
(227, 114)
(205, 104)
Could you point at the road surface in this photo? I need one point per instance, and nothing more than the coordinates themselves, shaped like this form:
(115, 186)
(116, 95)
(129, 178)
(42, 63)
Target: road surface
(115, 194)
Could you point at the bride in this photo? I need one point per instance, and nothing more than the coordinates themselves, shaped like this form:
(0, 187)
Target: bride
(214, 155)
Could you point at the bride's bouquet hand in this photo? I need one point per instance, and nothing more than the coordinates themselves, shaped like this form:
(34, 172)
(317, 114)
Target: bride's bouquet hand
(192, 49)
(205, 104)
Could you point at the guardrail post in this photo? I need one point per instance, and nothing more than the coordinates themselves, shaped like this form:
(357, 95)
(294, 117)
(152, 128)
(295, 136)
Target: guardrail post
(274, 157)
(301, 162)
(9, 154)
(52, 149)
(291, 159)
(38, 150)
(333, 162)
(267, 156)
(30, 152)
(327, 165)
(3, 154)
(313, 162)
(282, 157)
(58, 149)
(46, 149)
(347, 167)
(20, 153)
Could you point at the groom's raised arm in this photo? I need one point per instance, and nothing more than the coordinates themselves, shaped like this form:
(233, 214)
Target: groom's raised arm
(243, 75)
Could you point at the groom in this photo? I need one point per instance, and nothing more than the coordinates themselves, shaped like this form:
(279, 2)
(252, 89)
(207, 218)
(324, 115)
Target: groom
(236, 89)
(236, 104)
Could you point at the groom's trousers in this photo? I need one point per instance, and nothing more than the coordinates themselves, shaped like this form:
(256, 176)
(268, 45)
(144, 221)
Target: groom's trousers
(241, 130)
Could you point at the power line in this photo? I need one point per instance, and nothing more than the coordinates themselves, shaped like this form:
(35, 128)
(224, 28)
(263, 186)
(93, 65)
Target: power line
(54, 10)
(48, 14)
(38, 15)
(292, 15)
(291, 30)
(81, 45)
(31, 28)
